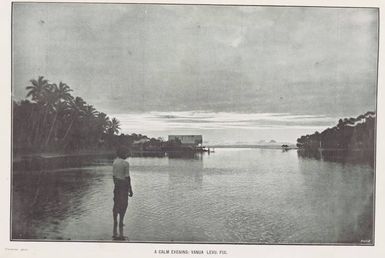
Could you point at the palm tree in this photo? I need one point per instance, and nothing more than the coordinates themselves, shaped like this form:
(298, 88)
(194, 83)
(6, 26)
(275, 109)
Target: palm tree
(103, 122)
(51, 98)
(58, 102)
(90, 112)
(38, 89)
(114, 126)
(63, 91)
(51, 111)
(61, 102)
(77, 109)
(89, 126)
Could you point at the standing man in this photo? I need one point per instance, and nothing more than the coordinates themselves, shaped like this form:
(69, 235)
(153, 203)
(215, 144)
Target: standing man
(122, 190)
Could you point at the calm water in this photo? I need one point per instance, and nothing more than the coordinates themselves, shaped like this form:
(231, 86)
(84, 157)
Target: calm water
(232, 195)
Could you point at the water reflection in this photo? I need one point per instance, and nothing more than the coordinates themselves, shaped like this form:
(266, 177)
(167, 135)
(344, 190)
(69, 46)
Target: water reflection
(234, 195)
(43, 196)
(185, 171)
(346, 214)
(342, 156)
(185, 155)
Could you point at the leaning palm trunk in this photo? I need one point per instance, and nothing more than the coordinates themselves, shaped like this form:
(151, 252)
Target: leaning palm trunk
(31, 133)
(36, 134)
(51, 130)
(68, 130)
(40, 128)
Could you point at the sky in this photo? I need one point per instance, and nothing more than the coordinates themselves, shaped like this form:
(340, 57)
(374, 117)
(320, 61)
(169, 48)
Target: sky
(234, 74)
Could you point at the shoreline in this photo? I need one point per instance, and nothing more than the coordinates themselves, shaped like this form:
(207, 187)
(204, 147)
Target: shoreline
(52, 160)
(51, 155)
(252, 146)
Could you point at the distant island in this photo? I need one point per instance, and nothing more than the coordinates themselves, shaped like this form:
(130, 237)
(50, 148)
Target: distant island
(260, 146)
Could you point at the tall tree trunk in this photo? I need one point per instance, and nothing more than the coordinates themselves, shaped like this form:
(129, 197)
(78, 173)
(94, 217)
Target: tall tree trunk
(51, 129)
(30, 131)
(40, 127)
(68, 130)
(43, 125)
(37, 121)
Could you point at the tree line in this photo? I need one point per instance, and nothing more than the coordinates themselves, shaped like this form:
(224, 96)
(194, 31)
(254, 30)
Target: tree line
(349, 133)
(51, 118)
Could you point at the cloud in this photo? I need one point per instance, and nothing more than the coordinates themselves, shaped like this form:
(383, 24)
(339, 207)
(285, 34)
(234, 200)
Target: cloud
(225, 127)
(163, 121)
(140, 58)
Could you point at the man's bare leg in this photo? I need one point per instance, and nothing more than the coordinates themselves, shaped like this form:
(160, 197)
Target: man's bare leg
(121, 220)
(115, 216)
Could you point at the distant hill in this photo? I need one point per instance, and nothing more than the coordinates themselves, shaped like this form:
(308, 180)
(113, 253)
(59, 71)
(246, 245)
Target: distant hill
(266, 144)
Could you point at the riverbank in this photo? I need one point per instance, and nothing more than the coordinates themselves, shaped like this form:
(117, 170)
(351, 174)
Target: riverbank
(52, 160)
(41, 161)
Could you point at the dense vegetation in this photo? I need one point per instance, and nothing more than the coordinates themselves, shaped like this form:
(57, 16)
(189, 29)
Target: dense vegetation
(349, 133)
(51, 119)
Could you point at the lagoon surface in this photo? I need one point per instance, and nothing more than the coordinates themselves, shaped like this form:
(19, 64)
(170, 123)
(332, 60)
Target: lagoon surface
(232, 195)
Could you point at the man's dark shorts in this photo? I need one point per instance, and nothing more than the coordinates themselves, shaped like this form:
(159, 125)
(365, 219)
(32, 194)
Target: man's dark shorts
(120, 195)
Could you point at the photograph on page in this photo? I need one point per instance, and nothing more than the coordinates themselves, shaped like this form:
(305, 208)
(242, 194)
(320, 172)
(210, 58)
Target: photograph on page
(191, 123)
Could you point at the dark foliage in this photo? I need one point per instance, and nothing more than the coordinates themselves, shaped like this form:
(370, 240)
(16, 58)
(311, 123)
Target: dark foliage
(350, 133)
(51, 119)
